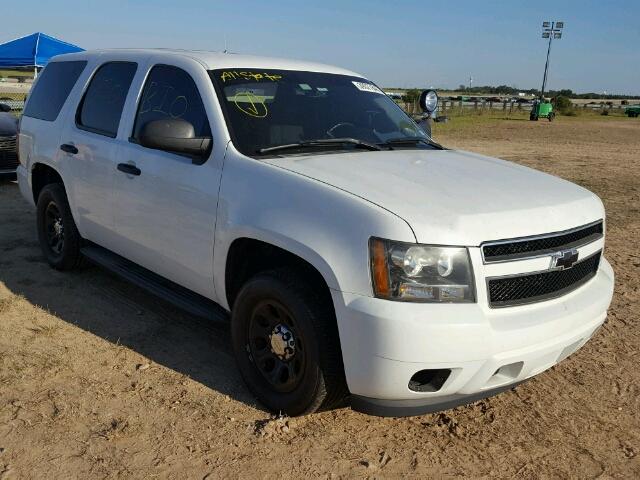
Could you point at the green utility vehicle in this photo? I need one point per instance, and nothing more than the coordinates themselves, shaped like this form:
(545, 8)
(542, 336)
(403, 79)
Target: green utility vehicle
(632, 110)
(542, 109)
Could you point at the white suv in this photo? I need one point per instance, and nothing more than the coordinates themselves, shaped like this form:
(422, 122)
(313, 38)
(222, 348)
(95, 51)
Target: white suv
(354, 254)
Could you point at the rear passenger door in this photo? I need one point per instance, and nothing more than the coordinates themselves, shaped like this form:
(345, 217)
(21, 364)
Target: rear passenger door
(45, 113)
(165, 211)
(89, 143)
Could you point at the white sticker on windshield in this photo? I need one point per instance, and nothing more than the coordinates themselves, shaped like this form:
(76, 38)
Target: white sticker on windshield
(367, 87)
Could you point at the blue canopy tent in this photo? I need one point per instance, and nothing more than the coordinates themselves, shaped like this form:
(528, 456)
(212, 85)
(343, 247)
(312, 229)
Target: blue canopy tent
(34, 51)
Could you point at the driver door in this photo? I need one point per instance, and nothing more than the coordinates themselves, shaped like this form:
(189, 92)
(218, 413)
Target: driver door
(165, 204)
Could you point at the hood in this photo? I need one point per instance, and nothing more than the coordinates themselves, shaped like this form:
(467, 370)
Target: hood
(451, 197)
(8, 125)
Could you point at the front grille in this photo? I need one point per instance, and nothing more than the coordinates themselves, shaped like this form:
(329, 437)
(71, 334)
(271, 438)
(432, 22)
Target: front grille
(536, 287)
(527, 247)
(8, 153)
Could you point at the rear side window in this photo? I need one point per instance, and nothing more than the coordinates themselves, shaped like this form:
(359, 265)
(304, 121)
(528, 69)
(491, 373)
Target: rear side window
(52, 89)
(170, 92)
(102, 104)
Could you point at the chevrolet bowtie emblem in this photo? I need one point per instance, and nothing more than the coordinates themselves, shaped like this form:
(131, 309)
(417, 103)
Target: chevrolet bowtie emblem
(564, 259)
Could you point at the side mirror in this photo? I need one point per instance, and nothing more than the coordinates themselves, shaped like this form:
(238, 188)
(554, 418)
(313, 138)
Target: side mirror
(425, 125)
(428, 101)
(175, 135)
(4, 107)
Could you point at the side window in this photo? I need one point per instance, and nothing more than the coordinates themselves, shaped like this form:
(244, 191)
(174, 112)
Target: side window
(101, 107)
(52, 89)
(170, 92)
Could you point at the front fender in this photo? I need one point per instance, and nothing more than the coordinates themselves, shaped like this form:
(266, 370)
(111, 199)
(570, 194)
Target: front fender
(324, 225)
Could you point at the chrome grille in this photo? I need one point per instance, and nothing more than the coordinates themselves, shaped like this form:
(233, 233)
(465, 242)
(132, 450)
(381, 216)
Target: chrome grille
(539, 286)
(8, 153)
(541, 245)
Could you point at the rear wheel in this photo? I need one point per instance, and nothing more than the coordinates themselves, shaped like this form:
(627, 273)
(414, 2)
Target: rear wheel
(533, 117)
(59, 238)
(286, 344)
(551, 116)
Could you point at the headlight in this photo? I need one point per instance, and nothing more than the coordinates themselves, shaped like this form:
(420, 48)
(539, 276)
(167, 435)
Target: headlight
(411, 272)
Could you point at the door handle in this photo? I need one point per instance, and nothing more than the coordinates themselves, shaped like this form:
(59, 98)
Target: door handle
(66, 147)
(129, 169)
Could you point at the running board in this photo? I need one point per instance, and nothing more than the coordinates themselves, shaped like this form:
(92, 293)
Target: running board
(167, 290)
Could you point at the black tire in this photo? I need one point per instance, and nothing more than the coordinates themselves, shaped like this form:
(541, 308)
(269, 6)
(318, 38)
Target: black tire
(551, 116)
(60, 244)
(533, 117)
(314, 378)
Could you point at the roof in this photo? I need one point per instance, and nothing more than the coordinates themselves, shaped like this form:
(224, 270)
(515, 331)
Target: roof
(215, 60)
(33, 50)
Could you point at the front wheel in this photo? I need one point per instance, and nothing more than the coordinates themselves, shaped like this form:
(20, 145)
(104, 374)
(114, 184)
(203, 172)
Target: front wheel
(551, 116)
(285, 340)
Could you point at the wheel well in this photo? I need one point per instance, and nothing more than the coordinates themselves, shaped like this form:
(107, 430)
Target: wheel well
(42, 175)
(248, 256)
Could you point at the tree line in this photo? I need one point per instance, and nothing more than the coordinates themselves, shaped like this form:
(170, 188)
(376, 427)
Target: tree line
(510, 90)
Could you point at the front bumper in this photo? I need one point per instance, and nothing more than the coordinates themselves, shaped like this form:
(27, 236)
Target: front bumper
(385, 343)
(420, 406)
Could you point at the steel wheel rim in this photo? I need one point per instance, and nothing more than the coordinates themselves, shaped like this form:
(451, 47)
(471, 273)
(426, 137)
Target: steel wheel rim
(54, 228)
(278, 357)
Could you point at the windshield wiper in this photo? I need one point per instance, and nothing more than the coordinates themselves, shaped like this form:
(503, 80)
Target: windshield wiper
(412, 141)
(323, 142)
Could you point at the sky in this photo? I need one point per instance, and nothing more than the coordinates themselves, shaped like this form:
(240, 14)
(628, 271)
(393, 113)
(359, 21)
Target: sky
(396, 44)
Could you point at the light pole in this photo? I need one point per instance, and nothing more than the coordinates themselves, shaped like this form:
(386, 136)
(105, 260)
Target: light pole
(550, 30)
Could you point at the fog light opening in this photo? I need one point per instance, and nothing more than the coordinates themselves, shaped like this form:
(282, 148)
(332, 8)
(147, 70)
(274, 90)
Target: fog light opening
(505, 374)
(429, 380)
(567, 351)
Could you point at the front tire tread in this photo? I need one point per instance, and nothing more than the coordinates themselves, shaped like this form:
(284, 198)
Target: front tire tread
(330, 388)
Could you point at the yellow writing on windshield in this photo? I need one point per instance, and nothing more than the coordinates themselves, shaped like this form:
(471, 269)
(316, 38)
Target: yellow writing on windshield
(251, 104)
(229, 75)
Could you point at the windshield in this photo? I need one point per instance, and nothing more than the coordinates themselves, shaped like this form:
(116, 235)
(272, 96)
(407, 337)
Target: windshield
(272, 108)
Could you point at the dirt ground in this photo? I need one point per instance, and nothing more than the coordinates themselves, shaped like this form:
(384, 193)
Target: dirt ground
(101, 380)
